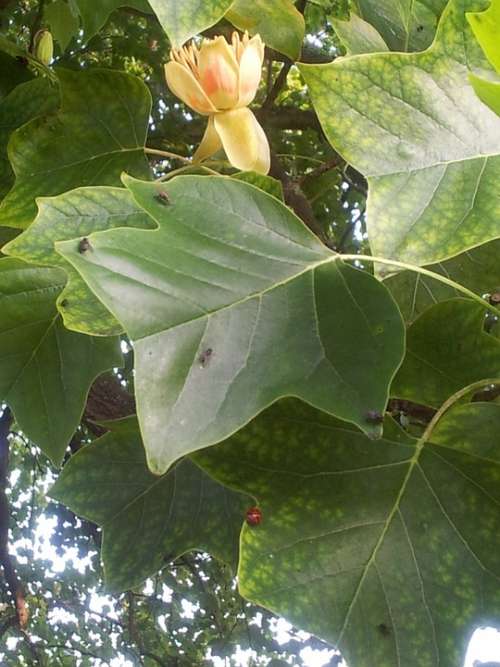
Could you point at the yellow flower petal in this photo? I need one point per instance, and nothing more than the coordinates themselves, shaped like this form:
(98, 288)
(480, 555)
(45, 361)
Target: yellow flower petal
(210, 143)
(250, 70)
(243, 139)
(183, 84)
(219, 73)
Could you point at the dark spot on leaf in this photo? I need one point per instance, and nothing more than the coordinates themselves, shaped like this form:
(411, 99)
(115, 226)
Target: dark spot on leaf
(374, 417)
(420, 28)
(64, 303)
(163, 198)
(84, 245)
(384, 629)
(205, 356)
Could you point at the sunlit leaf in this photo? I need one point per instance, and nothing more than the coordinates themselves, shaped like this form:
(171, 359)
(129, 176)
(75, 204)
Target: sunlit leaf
(182, 19)
(278, 22)
(231, 304)
(413, 125)
(76, 214)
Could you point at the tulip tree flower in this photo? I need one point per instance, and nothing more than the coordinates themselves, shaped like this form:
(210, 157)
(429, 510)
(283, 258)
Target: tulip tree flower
(219, 80)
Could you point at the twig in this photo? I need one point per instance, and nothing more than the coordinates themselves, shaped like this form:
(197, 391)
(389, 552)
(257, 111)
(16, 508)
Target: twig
(166, 154)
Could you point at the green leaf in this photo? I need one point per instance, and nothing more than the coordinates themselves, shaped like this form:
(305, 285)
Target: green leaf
(278, 22)
(6, 235)
(359, 36)
(99, 132)
(231, 304)
(446, 350)
(45, 370)
(429, 148)
(477, 269)
(405, 26)
(487, 91)
(389, 550)
(13, 71)
(64, 25)
(182, 19)
(21, 55)
(27, 101)
(267, 183)
(148, 520)
(94, 15)
(76, 214)
(485, 26)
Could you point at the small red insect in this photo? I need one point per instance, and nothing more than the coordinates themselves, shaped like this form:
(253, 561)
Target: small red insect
(253, 516)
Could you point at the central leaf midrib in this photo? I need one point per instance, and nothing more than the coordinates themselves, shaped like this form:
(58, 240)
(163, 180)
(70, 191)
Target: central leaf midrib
(371, 561)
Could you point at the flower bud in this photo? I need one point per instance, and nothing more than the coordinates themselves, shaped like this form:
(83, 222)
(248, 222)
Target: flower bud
(43, 46)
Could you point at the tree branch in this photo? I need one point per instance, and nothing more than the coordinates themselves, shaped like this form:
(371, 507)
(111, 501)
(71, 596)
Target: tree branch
(277, 86)
(295, 198)
(13, 582)
(108, 400)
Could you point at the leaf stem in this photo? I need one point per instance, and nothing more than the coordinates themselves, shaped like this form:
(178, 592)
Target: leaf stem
(168, 154)
(425, 272)
(471, 388)
(187, 167)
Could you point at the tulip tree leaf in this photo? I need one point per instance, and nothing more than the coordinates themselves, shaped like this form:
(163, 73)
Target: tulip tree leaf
(446, 349)
(45, 370)
(6, 235)
(231, 304)
(21, 54)
(95, 14)
(477, 269)
(486, 28)
(148, 520)
(429, 148)
(405, 26)
(183, 19)
(358, 36)
(278, 22)
(76, 214)
(13, 73)
(99, 132)
(389, 550)
(64, 25)
(28, 100)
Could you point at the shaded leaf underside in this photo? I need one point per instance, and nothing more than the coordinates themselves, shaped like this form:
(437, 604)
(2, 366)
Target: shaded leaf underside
(388, 549)
(148, 520)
